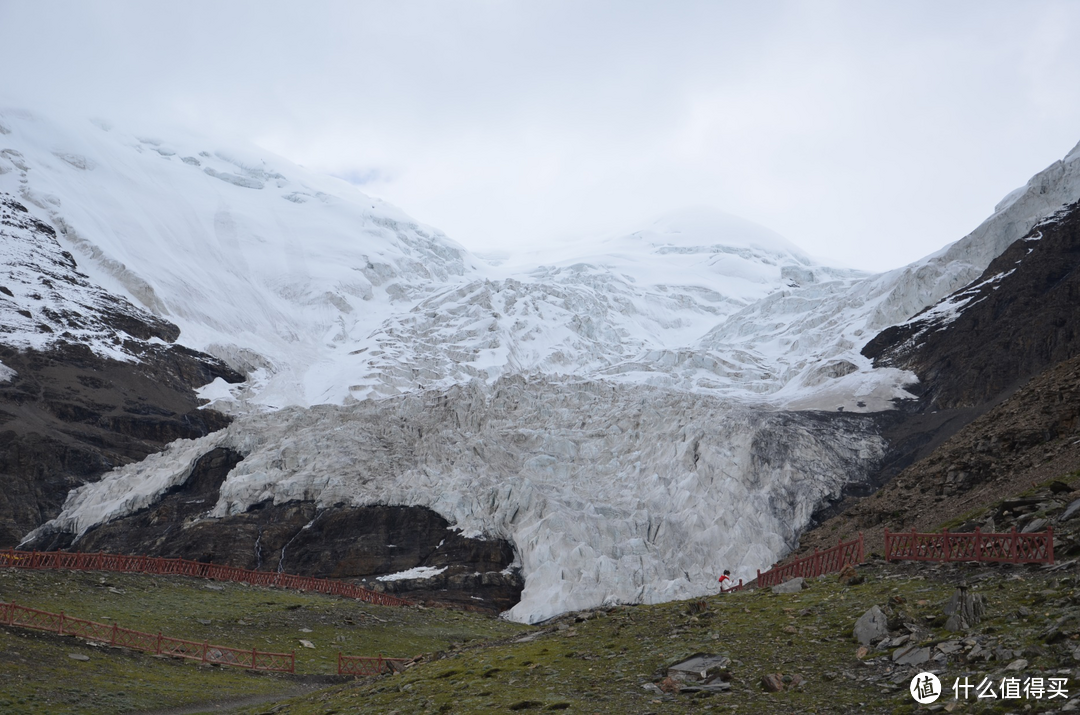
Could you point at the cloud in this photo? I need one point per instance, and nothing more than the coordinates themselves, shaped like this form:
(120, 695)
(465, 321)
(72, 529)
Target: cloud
(870, 133)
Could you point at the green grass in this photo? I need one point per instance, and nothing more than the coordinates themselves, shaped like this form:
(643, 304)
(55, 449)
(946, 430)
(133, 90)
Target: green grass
(599, 666)
(595, 665)
(38, 678)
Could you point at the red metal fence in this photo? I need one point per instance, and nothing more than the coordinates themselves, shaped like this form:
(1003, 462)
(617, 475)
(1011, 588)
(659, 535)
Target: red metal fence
(183, 567)
(364, 665)
(816, 564)
(975, 546)
(12, 614)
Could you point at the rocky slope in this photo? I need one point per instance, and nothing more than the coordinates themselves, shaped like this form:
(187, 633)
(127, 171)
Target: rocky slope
(88, 381)
(973, 436)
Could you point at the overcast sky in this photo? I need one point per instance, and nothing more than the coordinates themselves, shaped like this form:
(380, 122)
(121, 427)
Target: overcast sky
(867, 133)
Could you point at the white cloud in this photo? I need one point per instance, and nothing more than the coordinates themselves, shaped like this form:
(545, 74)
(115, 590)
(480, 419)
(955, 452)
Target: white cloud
(869, 133)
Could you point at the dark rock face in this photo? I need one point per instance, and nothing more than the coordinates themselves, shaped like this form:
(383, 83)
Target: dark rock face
(999, 399)
(355, 543)
(979, 345)
(68, 415)
(1019, 318)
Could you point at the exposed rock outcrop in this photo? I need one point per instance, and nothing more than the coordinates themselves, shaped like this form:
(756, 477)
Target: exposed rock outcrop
(90, 382)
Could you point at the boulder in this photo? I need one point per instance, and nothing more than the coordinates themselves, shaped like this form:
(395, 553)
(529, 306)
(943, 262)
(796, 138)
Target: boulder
(911, 655)
(871, 626)
(964, 609)
(1070, 511)
(703, 667)
(794, 585)
(849, 576)
(772, 682)
(1033, 526)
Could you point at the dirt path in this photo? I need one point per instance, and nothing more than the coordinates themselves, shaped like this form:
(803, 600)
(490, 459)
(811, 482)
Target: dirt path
(224, 705)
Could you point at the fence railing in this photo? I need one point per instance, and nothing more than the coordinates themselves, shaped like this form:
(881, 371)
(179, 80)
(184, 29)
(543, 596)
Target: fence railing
(1011, 547)
(183, 567)
(12, 614)
(816, 564)
(366, 665)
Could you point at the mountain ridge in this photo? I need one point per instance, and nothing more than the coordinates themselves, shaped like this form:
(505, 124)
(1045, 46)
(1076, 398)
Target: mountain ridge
(623, 423)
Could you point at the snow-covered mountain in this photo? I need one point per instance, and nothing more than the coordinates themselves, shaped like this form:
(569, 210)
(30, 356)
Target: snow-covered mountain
(321, 294)
(631, 413)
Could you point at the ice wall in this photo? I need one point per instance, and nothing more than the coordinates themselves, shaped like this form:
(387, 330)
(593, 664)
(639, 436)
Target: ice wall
(610, 494)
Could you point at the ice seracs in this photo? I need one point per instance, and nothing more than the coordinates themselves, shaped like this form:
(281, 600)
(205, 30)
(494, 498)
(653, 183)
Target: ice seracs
(633, 413)
(609, 493)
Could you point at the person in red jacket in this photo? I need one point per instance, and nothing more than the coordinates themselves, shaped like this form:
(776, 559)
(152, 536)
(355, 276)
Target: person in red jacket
(725, 577)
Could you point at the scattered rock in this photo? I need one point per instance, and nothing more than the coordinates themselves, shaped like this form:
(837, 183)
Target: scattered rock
(697, 607)
(670, 685)
(871, 626)
(950, 647)
(1018, 664)
(703, 667)
(1033, 526)
(862, 652)
(78, 656)
(306, 644)
(1070, 511)
(850, 576)
(794, 585)
(772, 682)
(964, 610)
(911, 655)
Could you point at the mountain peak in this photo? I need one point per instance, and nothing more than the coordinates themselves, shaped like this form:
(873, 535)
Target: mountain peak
(704, 226)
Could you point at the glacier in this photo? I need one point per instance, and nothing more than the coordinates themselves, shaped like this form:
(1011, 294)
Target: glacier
(609, 493)
(633, 413)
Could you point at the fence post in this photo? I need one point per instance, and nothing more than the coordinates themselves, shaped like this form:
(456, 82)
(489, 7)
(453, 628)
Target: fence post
(1013, 551)
(1050, 543)
(205, 648)
(60, 630)
(158, 650)
(253, 659)
(112, 641)
(11, 613)
(860, 556)
(292, 662)
(945, 539)
(978, 544)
